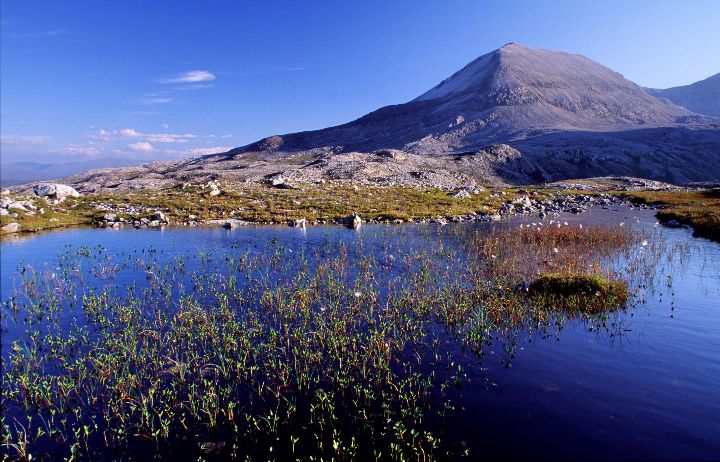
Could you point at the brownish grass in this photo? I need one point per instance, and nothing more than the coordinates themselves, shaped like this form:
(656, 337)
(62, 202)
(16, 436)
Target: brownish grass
(700, 209)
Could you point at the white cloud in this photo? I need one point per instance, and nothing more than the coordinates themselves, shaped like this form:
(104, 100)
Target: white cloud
(154, 100)
(22, 139)
(169, 137)
(165, 126)
(190, 77)
(76, 150)
(130, 133)
(207, 151)
(142, 146)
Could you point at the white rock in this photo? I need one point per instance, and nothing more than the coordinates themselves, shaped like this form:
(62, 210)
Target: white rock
(353, 221)
(462, 194)
(17, 206)
(11, 228)
(54, 190)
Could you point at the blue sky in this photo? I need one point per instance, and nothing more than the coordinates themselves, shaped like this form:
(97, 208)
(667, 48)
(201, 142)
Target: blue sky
(157, 80)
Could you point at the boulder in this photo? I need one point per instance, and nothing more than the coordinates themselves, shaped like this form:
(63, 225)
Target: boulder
(17, 206)
(159, 216)
(54, 190)
(11, 228)
(277, 180)
(300, 223)
(462, 194)
(353, 221)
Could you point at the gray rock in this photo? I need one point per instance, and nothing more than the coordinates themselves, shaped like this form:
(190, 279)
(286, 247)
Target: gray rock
(353, 221)
(54, 190)
(11, 228)
(462, 194)
(300, 223)
(17, 206)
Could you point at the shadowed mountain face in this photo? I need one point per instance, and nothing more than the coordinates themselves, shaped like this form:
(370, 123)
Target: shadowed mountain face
(510, 94)
(702, 97)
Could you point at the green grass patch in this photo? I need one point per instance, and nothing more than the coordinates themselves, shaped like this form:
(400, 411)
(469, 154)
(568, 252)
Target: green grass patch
(589, 293)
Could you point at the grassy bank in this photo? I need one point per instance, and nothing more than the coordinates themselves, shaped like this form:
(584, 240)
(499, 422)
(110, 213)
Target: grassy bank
(260, 204)
(699, 209)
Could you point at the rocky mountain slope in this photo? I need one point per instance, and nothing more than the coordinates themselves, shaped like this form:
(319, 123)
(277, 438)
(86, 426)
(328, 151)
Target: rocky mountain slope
(515, 115)
(702, 97)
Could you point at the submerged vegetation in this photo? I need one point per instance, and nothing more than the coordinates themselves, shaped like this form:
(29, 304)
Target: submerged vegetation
(323, 352)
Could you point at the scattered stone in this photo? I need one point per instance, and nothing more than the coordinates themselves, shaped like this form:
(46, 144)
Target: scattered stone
(11, 228)
(54, 190)
(17, 206)
(353, 221)
(462, 194)
(5, 192)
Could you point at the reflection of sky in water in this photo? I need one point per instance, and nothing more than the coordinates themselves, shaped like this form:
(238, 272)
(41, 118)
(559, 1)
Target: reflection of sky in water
(652, 391)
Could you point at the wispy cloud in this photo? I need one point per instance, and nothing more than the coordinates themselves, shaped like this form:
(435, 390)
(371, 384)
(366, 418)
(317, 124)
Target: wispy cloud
(79, 150)
(22, 139)
(190, 77)
(149, 101)
(142, 146)
(38, 34)
(207, 151)
(131, 133)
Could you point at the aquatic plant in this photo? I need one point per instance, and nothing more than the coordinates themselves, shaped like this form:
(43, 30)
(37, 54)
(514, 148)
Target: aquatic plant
(262, 352)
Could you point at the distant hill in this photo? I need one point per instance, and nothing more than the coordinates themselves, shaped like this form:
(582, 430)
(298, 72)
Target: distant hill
(25, 172)
(702, 97)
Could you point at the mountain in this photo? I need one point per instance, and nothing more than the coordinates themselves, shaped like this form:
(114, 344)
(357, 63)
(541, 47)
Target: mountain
(510, 94)
(515, 115)
(702, 97)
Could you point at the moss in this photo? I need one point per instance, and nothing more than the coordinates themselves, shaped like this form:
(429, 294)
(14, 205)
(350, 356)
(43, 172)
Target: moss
(590, 293)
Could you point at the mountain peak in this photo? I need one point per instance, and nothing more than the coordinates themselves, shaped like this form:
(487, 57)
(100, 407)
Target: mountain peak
(510, 94)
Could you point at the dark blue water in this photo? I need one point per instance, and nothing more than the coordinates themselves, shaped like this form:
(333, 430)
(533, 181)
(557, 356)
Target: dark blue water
(648, 390)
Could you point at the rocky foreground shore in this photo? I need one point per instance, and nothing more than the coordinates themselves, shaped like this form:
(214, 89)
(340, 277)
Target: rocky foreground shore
(283, 201)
